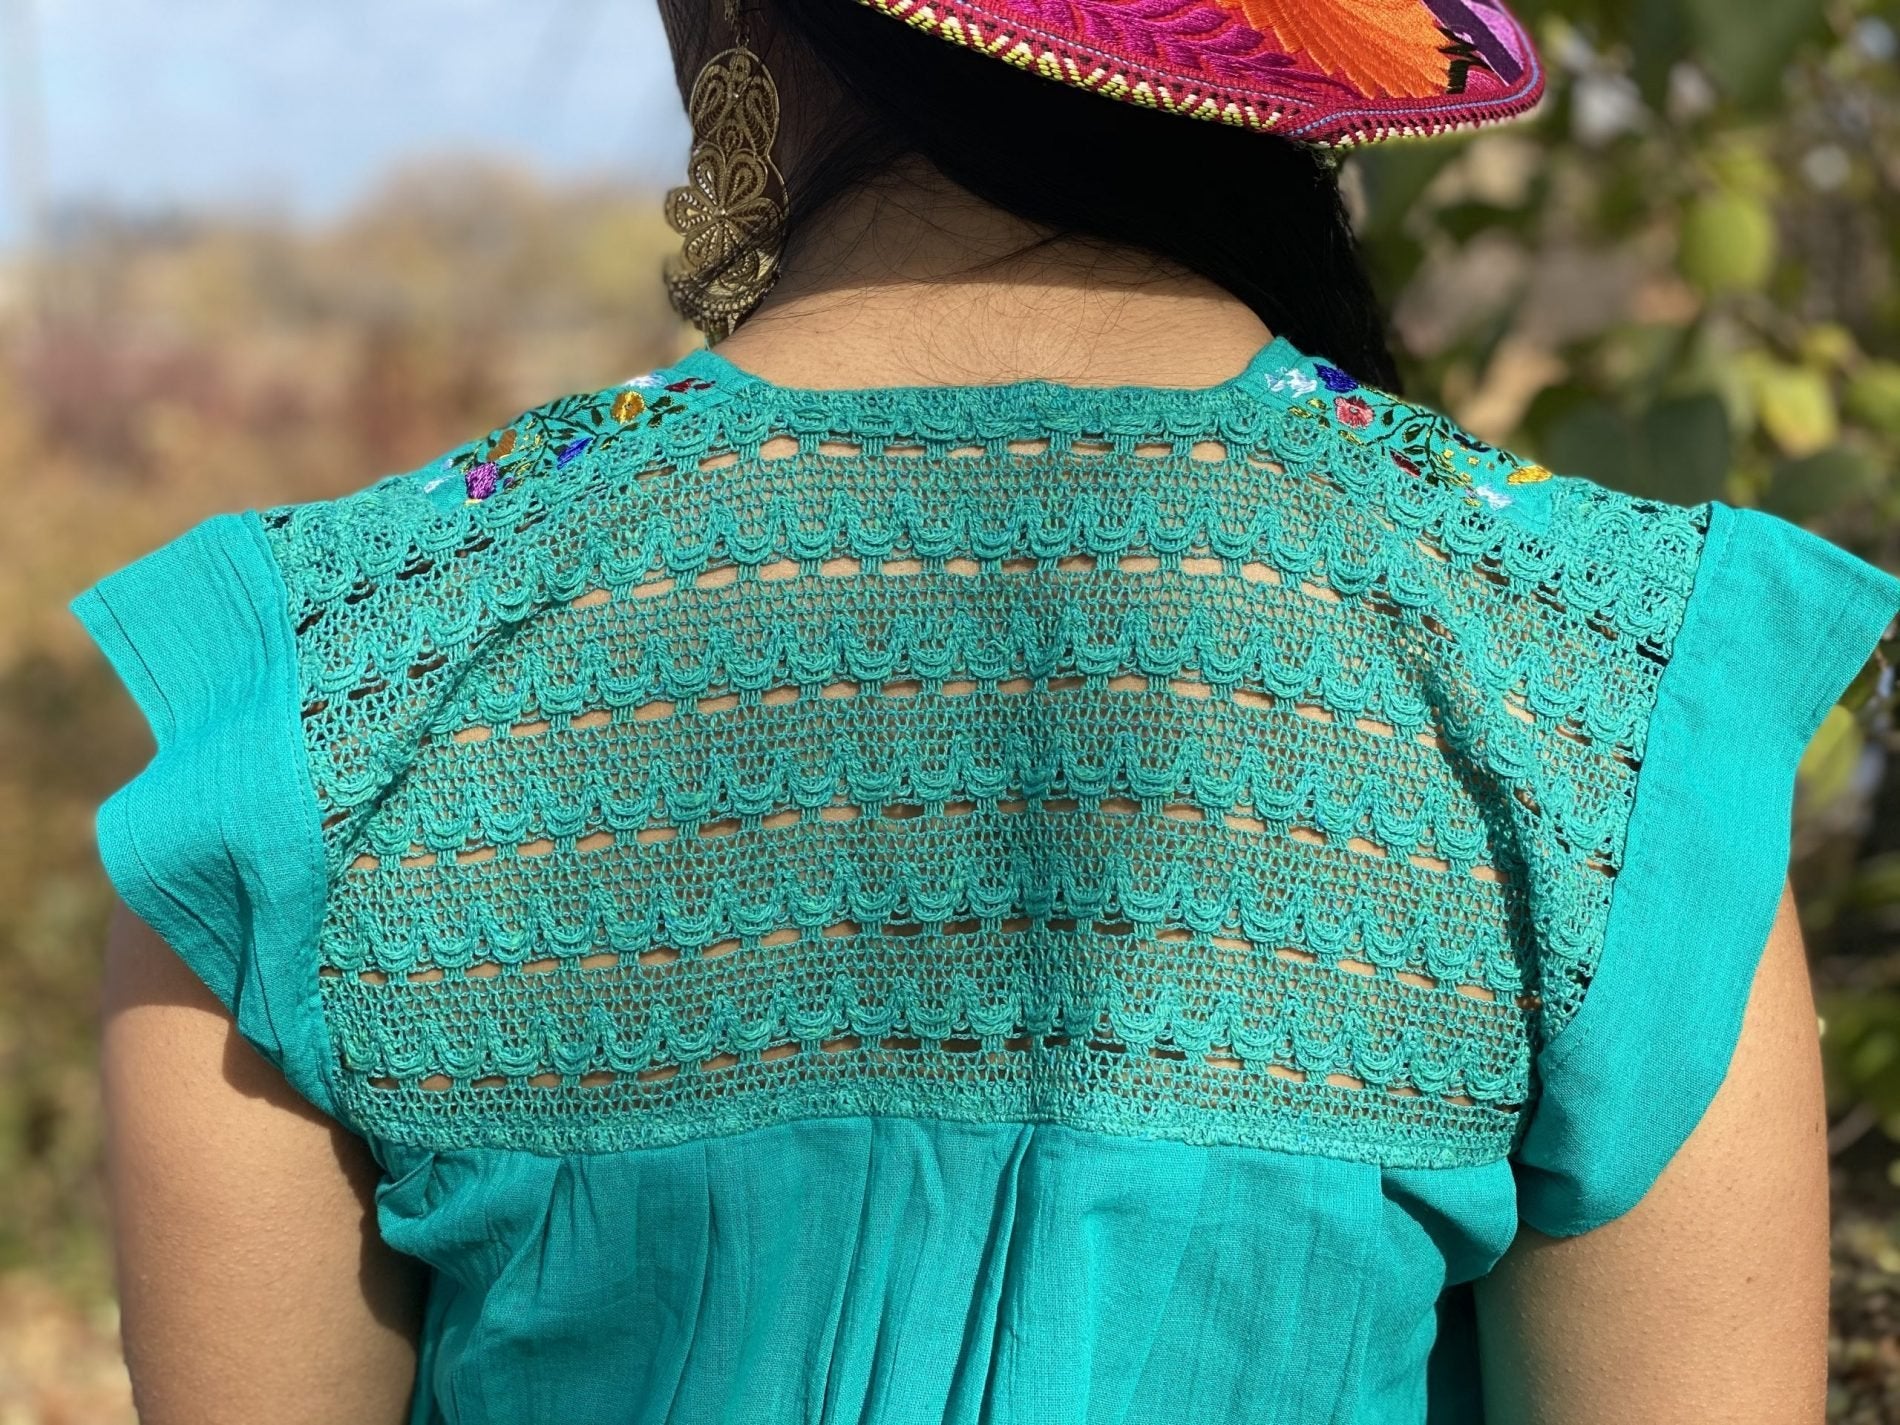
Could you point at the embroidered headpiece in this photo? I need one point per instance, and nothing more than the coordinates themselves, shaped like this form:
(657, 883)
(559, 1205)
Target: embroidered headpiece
(1324, 72)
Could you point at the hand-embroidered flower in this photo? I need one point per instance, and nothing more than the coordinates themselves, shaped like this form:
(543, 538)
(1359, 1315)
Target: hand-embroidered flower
(1352, 411)
(482, 480)
(1527, 475)
(554, 435)
(1293, 379)
(1335, 379)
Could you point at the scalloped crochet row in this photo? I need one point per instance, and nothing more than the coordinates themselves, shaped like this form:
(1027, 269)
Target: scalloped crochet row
(712, 706)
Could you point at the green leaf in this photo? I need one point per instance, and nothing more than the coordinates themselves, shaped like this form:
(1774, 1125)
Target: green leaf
(1688, 449)
(1873, 396)
(1828, 344)
(1866, 683)
(1803, 489)
(1660, 37)
(1876, 883)
(1596, 440)
(1627, 200)
(1677, 450)
(1827, 766)
(1742, 165)
(1746, 48)
(1728, 243)
(1548, 410)
(1875, 1053)
(1795, 404)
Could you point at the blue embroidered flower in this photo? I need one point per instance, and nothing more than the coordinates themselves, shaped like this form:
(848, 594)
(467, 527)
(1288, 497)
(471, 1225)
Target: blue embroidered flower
(571, 449)
(1335, 379)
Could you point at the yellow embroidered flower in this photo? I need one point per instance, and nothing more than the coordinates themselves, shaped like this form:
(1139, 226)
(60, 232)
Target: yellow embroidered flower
(627, 405)
(1527, 475)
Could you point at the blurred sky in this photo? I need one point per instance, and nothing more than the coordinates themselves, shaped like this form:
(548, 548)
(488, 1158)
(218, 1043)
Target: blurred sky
(297, 108)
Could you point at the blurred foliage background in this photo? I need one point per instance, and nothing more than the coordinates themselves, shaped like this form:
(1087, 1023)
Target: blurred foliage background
(1681, 278)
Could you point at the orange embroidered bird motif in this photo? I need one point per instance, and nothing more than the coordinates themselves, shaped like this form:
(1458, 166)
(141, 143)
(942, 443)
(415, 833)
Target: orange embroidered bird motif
(1390, 48)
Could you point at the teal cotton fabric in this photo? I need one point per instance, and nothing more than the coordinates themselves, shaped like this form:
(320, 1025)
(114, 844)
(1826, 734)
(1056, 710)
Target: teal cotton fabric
(1781, 621)
(978, 904)
(904, 1270)
(215, 844)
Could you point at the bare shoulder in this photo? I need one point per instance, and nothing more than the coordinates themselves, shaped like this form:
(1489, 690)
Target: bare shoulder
(1708, 1299)
(248, 1260)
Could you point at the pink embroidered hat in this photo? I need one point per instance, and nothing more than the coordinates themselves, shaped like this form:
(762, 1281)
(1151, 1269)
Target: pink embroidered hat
(1324, 72)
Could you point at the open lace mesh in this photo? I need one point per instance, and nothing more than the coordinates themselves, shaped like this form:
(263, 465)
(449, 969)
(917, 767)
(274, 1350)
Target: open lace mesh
(1206, 764)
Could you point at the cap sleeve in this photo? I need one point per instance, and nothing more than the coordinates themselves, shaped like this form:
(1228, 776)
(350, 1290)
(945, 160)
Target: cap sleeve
(215, 844)
(1778, 623)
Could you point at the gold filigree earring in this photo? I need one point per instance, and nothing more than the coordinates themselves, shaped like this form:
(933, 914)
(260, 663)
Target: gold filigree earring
(729, 210)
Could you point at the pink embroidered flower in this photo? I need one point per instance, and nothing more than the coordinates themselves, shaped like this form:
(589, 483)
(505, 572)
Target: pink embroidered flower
(1352, 411)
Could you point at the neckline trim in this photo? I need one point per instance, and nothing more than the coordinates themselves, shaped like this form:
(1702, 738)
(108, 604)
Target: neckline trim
(1262, 372)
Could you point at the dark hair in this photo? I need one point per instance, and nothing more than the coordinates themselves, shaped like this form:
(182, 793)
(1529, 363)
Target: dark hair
(1259, 216)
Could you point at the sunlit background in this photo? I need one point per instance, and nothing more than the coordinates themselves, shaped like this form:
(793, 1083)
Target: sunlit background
(298, 111)
(253, 252)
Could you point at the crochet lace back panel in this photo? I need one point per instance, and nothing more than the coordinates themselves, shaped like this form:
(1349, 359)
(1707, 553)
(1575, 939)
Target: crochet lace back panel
(1245, 765)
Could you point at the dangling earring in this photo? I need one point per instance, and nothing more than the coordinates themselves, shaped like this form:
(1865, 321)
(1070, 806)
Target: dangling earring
(730, 209)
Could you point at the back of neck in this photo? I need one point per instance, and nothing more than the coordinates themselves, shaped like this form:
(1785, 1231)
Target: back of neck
(916, 282)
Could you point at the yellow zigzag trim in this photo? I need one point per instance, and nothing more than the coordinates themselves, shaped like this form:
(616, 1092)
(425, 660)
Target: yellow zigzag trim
(1052, 64)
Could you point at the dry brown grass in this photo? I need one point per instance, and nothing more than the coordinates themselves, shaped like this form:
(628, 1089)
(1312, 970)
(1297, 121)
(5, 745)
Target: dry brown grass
(150, 378)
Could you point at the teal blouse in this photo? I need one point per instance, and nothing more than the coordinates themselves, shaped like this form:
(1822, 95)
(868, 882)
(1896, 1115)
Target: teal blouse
(979, 903)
